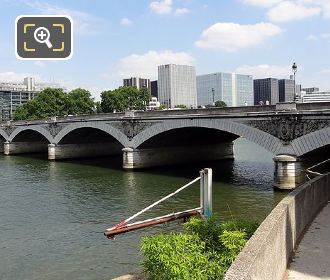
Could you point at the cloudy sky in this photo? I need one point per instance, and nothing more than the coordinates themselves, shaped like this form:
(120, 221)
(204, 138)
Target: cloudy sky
(122, 38)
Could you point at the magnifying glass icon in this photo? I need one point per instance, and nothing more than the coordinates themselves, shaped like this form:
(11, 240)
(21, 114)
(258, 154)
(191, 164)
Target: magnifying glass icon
(41, 35)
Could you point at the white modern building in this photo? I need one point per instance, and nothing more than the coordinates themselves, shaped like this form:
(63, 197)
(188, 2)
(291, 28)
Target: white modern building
(177, 85)
(28, 84)
(314, 96)
(233, 89)
(154, 104)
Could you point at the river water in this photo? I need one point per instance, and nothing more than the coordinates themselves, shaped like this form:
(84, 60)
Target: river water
(53, 214)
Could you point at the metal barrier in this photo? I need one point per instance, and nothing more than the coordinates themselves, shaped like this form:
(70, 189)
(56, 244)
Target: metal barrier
(205, 208)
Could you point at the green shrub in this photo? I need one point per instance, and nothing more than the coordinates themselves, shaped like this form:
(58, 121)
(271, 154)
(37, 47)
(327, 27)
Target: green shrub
(204, 251)
(176, 256)
(207, 230)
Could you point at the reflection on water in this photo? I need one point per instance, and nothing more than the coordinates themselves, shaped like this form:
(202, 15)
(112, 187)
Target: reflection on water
(53, 213)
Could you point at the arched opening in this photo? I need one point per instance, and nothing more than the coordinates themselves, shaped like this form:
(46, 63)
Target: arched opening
(181, 146)
(85, 142)
(2, 141)
(317, 156)
(188, 136)
(27, 141)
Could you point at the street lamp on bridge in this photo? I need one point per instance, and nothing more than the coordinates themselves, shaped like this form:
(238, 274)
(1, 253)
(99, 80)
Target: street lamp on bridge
(294, 70)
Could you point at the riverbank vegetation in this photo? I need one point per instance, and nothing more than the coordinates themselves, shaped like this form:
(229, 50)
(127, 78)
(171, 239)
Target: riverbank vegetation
(203, 251)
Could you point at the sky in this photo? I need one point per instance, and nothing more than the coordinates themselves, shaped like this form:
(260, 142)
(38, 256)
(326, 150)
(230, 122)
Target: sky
(115, 39)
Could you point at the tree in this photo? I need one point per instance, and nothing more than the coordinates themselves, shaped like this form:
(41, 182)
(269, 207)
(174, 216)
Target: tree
(180, 106)
(55, 102)
(123, 99)
(79, 101)
(220, 104)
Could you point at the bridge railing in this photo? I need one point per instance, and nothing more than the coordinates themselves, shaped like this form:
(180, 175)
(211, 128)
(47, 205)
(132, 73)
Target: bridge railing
(265, 109)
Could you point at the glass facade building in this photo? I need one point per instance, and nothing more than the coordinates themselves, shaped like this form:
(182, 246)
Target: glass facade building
(177, 85)
(233, 89)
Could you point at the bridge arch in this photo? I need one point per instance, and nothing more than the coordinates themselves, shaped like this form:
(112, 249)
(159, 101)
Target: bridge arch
(4, 134)
(112, 131)
(37, 128)
(311, 141)
(254, 135)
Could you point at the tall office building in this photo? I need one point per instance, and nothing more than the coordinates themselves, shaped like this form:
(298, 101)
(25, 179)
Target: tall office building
(266, 91)
(286, 90)
(137, 82)
(233, 89)
(177, 85)
(154, 89)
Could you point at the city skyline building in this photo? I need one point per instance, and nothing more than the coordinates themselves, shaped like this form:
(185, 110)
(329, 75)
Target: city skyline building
(286, 90)
(310, 89)
(233, 89)
(28, 84)
(137, 82)
(154, 89)
(266, 91)
(315, 96)
(177, 85)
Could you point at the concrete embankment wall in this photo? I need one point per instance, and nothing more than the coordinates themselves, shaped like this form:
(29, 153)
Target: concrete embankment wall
(267, 253)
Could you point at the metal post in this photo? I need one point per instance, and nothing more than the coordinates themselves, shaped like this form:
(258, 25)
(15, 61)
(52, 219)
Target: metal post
(206, 192)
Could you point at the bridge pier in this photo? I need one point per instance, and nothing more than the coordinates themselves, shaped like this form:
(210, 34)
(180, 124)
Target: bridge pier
(152, 157)
(16, 148)
(82, 150)
(288, 173)
(2, 143)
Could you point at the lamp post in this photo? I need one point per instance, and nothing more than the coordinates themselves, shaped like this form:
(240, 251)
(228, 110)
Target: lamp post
(294, 70)
(213, 97)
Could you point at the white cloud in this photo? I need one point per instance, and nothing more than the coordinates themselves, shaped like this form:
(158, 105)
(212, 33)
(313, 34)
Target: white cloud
(205, 6)
(325, 36)
(126, 22)
(161, 7)
(261, 3)
(315, 37)
(323, 4)
(232, 36)
(312, 37)
(289, 11)
(181, 11)
(265, 71)
(82, 22)
(145, 65)
(16, 77)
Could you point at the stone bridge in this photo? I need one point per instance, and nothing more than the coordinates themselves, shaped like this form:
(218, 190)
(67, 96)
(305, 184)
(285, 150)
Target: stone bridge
(290, 131)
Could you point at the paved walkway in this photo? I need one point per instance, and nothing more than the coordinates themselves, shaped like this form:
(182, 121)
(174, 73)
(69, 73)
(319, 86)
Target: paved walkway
(312, 259)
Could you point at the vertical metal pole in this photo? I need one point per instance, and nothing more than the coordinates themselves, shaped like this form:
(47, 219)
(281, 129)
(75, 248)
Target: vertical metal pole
(206, 191)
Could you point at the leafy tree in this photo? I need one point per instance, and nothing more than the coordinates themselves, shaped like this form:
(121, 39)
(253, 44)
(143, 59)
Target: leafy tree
(55, 102)
(181, 106)
(79, 101)
(124, 98)
(220, 104)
